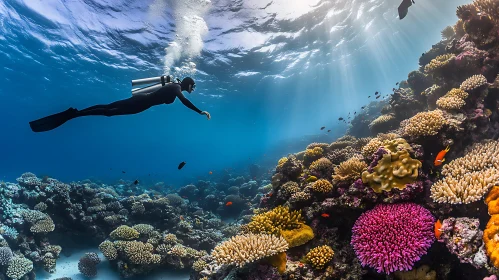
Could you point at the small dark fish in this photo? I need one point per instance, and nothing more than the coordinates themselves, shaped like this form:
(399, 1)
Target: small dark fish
(340, 119)
(422, 54)
(135, 182)
(123, 172)
(355, 112)
(393, 89)
(322, 128)
(369, 96)
(397, 83)
(362, 107)
(376, 93)
(329, 130)
(404, 8)
(181, 165)
(378, 96)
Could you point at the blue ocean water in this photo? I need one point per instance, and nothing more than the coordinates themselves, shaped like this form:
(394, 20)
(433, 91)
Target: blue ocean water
(269, 72)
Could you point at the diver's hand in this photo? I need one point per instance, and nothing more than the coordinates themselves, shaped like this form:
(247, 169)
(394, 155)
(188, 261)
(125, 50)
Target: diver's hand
(207, 114)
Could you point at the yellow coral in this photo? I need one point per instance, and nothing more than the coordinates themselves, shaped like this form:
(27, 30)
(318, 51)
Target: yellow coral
(124, 233)
(298, 236)
(425, 123)
(349, 170)
(394, 170)
(438, 63)
(315, 152)
(275, 220)
(281, 162)
(322, 186)
(318, 257)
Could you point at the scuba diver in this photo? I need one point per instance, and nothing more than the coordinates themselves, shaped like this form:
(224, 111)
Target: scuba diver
(139, 102)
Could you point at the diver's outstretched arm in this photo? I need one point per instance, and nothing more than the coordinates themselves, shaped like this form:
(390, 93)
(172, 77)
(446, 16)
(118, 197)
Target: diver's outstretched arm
(187, 103)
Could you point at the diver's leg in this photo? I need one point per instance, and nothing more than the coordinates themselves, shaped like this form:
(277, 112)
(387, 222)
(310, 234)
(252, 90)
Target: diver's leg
(129, 106)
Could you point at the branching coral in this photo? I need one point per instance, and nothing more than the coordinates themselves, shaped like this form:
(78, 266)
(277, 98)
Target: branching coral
(473, 82)
(453, 100)
(19, 267)
(489, 7)
(108, 250)
(349, 170)
(275, 220)
(124, 233)
(425, 123)
(438, 63)
(88, 264)
(318, 257)
(392, 237)
(380, 121)
(242, 249)
(141, 253)
(370, 148)
(468, 178)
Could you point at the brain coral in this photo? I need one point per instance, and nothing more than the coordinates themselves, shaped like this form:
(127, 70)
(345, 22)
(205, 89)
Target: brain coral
(392, 237)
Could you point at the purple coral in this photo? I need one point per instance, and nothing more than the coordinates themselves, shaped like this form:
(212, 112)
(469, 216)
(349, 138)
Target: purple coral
(392, 237)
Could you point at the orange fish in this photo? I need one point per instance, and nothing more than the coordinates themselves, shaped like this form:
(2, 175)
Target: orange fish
(181, 217)
(300, 264)
(269, 194)
(228, 203)
(440, 156)
(324, 215)
(211, 172)
(438, 225)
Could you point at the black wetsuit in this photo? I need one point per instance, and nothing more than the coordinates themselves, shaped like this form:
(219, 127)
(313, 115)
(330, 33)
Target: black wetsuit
(129, 106)
(140, 103)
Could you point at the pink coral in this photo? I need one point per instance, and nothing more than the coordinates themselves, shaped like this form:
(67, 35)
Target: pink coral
(392, 237)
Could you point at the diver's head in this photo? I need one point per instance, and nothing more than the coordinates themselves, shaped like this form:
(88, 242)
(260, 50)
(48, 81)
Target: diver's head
(188, 84)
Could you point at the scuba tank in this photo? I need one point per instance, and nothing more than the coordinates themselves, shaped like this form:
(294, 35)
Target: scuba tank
(158, 83)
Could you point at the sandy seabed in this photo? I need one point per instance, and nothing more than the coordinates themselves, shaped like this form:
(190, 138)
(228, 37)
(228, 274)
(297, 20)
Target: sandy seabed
(68, 267)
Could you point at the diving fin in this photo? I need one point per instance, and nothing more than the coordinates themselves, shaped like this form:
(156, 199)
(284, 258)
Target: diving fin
(53, 121)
